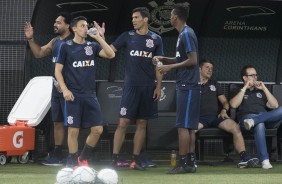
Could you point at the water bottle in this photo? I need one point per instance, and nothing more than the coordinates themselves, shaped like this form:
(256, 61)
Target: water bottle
(159, 63)
(173, 158)
(93, 31)
(55, 82)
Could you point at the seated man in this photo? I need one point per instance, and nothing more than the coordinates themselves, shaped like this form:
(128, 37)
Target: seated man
(252, 102)
(211, 93)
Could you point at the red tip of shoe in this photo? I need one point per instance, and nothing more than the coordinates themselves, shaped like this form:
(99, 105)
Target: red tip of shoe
(82, 163)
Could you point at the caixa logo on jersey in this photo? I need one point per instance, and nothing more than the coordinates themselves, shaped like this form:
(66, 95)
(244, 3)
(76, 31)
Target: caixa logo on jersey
(141, 53)
(18, 139)
(85, 63)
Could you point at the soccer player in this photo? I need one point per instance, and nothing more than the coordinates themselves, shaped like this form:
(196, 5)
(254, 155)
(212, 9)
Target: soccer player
(75, 72)
(140, 92)
(187, 87)
(62, 29)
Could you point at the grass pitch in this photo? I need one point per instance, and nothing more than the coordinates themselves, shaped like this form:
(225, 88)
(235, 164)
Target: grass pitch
(32, 173)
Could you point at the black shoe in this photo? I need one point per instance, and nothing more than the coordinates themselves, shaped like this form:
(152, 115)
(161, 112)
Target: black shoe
(190, 169)
(253, 162)
(136, 166)
(53, 161)
(148, 163)
(182, 170)
(70, 162)
(177, 170)
(248, 162)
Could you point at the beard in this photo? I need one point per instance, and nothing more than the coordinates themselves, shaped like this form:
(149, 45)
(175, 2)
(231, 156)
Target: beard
(58, 31)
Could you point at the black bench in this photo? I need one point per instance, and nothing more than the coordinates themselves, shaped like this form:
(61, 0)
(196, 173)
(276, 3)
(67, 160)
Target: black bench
(216, 133)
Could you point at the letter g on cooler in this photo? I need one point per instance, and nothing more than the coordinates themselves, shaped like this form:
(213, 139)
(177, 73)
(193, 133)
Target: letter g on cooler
(18, 139)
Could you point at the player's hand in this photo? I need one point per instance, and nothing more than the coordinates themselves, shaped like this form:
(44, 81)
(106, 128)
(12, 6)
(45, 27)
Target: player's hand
(100, 29)
(157, 94)
(28, 30)
(59, 88)
(68, 95)
(95, 36)
(155, 58)
(163, 69)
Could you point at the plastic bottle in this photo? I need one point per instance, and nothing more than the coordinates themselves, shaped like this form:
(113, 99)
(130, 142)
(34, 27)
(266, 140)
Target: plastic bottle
(56, 84)
(93, 31)
(173, 158)
(159, 63)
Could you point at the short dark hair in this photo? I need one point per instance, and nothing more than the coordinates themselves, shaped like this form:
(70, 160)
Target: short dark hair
(244, 71)
(143, 11)
(67, 17)
(203, 61)
(76, 19)
(182, 11)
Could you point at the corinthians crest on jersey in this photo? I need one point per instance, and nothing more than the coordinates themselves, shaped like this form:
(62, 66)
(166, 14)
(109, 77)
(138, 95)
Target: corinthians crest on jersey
(149, 43)
(88, 50)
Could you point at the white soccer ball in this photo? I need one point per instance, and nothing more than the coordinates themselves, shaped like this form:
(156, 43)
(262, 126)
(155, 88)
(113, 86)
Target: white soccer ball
(108, 176)
(64, 176)
(83, 174)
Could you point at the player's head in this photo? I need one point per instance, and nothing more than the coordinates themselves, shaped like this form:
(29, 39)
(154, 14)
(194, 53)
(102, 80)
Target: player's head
(180, 12)
(140, 17)
(62, 23)
(79, 26)
(206, 68)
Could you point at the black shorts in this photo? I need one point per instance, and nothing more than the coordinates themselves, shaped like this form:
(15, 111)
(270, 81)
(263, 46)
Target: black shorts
(57, 108)
(83, 112)
(138, 103)
(187, 108)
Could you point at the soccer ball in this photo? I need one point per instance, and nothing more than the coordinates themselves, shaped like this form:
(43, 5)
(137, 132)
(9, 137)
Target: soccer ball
(64, 176)
(108, 176)
(84, 174)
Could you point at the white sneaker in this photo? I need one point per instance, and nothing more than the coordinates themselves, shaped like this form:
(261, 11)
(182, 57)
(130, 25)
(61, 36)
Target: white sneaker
(266, 164)
(249, 123)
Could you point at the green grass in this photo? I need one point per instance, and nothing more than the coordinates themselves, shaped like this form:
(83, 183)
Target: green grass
(14, 173)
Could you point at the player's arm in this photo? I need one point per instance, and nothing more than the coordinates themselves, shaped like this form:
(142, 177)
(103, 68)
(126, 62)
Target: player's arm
(59, 76)
(191, 61)
(159, 76)
(165, 60)
(169, 60)
(157, 92)
(107, 51)
(113, 48)
(38, 51)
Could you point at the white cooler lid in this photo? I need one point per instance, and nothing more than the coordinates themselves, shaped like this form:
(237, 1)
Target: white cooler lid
(34, 102)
